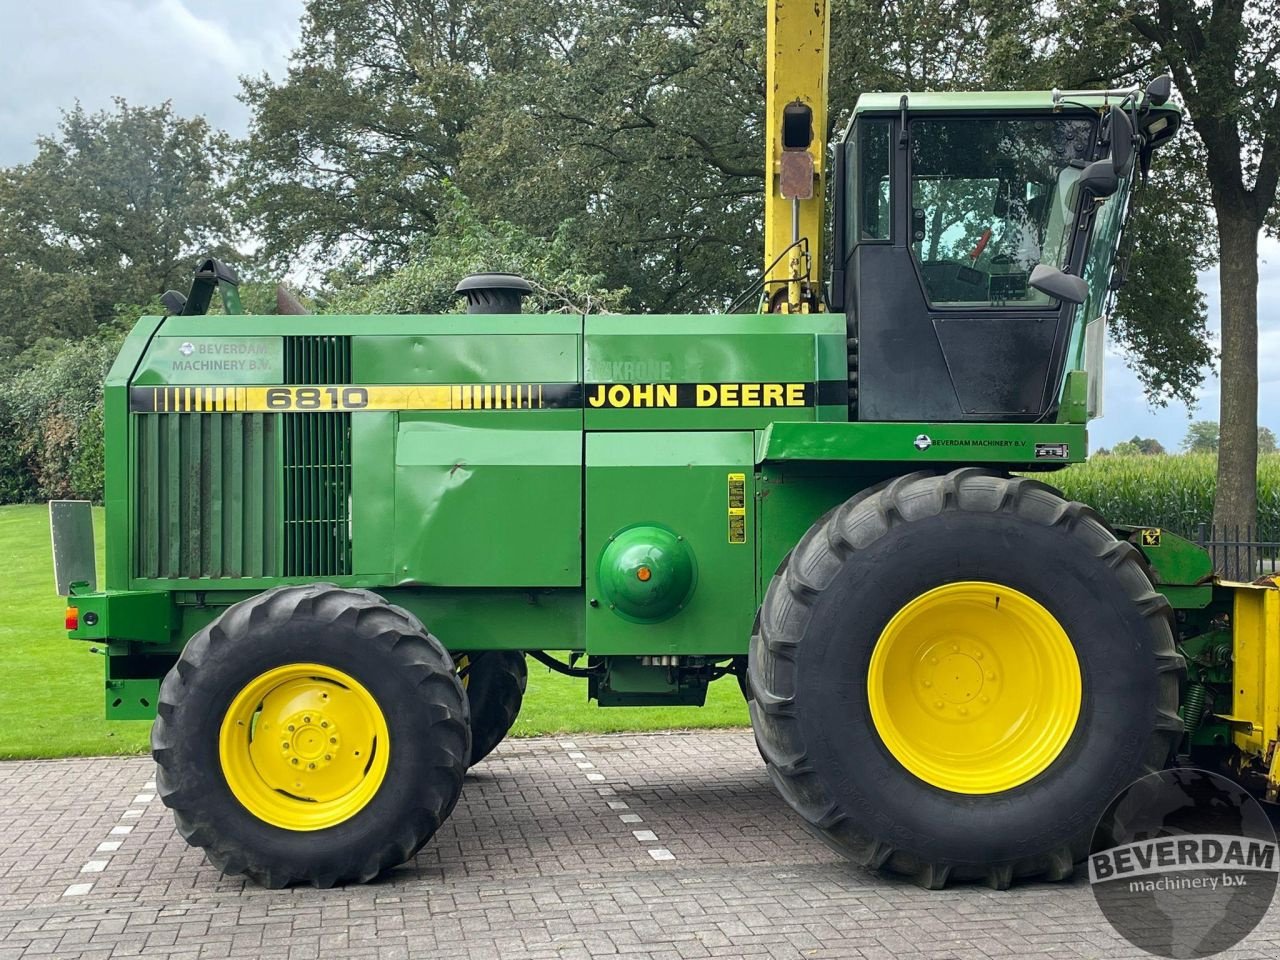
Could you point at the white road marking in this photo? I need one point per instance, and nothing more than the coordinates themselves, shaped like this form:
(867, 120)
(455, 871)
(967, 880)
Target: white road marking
(643, 836)
(111, 846)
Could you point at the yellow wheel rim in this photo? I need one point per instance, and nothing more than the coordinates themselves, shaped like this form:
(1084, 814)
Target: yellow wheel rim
(304, 746)
(974, 687)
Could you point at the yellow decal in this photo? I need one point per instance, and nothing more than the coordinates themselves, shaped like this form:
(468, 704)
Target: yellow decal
(737, 508)
(633, 395)
(1151, 537)
(338, 399)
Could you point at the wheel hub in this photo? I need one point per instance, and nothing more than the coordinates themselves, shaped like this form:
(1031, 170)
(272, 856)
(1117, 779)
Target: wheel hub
(304, 746)
(974, 687)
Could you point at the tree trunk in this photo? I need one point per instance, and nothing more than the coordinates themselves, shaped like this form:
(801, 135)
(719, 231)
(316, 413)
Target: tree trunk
(1235, 505)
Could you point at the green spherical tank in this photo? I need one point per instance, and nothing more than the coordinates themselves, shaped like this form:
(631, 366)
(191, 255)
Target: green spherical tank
(647, 573)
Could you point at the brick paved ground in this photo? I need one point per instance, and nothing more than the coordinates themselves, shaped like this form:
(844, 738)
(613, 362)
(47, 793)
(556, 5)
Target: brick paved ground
(537, 862)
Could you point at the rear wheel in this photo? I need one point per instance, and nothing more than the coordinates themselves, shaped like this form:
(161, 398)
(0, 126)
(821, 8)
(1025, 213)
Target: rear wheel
(954, 675)
(311, 734)
(495, 683)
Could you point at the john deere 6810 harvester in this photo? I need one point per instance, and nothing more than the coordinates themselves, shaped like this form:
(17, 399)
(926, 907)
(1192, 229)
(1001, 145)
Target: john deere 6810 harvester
(332, 540)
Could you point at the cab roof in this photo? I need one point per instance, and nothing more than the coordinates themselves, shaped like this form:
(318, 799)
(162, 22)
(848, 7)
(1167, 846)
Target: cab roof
(1026, 100)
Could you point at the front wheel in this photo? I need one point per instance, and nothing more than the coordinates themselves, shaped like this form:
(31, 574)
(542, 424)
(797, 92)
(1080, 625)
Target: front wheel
(311, 734)
(954, 675)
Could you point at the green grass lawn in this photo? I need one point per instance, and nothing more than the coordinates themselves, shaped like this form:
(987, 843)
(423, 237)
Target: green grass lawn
(51, 697)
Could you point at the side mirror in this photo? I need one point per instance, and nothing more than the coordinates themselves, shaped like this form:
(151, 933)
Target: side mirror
(1159, 90)
(1099, 178)
(1121, 143)
(1061, 286)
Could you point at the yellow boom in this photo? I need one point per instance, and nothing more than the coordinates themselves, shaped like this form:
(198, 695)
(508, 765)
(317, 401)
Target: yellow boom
(798, 34)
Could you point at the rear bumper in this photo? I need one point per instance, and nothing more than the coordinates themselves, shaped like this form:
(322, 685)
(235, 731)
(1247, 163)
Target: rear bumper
(140, 616)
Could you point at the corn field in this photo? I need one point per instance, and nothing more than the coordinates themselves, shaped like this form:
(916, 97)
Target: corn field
(1171, 491)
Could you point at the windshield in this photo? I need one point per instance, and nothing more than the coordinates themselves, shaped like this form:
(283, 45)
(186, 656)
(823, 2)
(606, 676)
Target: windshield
(990, 199)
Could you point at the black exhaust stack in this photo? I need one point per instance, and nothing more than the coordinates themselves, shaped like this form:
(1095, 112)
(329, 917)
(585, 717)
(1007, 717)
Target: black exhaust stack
(493, 292)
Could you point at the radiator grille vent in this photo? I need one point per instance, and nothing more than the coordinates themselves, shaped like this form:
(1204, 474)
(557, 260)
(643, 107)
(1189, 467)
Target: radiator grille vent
(317, 464)
(207, 489)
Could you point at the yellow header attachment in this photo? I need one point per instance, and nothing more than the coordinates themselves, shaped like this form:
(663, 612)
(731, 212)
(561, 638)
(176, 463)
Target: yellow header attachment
(798, 35)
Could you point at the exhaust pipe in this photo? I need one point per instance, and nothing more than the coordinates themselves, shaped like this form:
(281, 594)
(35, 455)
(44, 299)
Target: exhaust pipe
(493, 292)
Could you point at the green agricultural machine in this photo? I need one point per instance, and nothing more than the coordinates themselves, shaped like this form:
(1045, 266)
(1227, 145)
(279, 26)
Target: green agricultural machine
(332, 541)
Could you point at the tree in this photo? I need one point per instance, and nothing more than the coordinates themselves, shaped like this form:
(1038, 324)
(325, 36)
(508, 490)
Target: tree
(463, 244)
(1126, 448)
(1223, 56)
(1266, 441)
(115, 208)
(1148, 446)
(1202, 437)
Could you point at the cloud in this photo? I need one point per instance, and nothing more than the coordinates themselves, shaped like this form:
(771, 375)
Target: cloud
(146, 51)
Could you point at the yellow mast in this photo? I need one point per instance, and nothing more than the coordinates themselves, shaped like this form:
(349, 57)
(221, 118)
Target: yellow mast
(798, 34)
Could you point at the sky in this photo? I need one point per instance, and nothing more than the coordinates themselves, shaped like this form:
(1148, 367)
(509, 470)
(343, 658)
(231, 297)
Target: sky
(193, 54)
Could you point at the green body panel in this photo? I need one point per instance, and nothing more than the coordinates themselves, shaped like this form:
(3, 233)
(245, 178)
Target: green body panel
(1075, 398)
(467, 357)
(1016, 445)
(488, 508)
(208, 358)
(679, 481)
(732, 371)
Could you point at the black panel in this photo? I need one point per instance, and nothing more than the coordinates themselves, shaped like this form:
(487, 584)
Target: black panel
(998, 364)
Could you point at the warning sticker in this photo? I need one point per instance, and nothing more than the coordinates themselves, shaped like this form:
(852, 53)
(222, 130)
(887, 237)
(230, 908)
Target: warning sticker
(737, 508)
(1150, 537)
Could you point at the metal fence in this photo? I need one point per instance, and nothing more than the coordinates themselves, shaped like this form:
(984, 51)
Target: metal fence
(1238, 552)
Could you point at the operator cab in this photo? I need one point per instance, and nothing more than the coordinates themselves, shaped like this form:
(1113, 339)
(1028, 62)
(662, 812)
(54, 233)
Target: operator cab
(971, 231)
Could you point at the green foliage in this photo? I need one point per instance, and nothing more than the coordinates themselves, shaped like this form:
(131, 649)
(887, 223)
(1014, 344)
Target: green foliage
(115, 208)
(1266, 441)
(1169, 491)
(1202, 437)
(464, 244)
(51, 421)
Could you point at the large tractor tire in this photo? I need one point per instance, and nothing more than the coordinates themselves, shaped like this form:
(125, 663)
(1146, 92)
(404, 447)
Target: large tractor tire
(954, 675)
(495, 683)
(311, 734)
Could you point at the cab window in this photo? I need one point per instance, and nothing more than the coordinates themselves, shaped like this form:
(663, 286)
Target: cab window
(990, 199)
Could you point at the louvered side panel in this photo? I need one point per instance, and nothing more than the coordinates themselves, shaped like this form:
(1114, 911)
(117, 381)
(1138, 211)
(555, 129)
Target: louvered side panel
(206, 495)
(317, 464)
